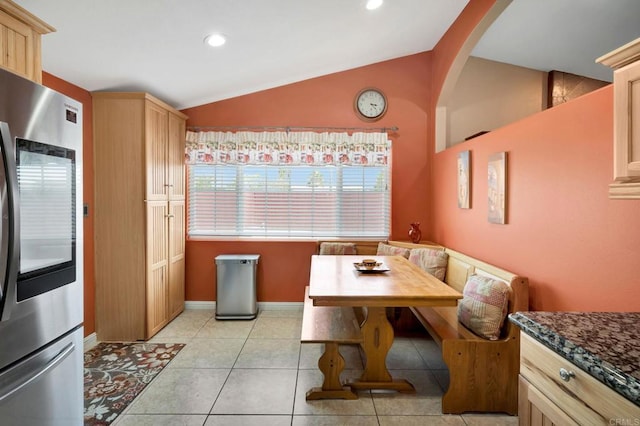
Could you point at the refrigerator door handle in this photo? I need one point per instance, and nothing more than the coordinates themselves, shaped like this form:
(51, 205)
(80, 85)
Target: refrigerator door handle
(20, 381)
(9, 247)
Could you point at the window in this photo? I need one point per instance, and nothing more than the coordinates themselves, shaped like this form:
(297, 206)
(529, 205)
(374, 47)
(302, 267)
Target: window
(290, 200)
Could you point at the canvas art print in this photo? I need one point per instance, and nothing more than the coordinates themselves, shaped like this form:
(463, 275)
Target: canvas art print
(464, 180)
(497, 188)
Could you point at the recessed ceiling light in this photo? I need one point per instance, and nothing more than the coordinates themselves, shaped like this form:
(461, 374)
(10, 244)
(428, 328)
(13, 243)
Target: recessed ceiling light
(373, 4)
(215, 40)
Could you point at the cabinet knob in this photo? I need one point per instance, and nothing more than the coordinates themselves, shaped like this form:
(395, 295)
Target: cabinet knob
(566, 375)
(169, 215)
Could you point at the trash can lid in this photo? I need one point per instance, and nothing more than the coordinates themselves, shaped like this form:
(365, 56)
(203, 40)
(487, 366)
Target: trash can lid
(232, 257)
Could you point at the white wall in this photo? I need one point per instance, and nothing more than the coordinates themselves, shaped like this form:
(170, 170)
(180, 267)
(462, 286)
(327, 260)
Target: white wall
(489, 95)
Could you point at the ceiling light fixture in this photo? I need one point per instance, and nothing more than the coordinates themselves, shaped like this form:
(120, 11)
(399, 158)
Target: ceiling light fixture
(215, 40)
(373, 4)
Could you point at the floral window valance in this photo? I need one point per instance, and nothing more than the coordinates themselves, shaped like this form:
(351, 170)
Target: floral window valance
(290, 148)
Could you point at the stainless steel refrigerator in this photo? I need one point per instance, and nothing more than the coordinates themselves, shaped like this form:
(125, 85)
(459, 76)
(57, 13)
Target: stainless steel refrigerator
(41, 314)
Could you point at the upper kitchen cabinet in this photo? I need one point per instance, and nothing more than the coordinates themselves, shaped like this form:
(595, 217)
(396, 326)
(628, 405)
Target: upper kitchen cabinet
(139, 214)
(625, 62)
(20, 47)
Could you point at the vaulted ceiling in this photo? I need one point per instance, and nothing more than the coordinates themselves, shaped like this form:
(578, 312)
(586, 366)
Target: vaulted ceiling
(157, 45)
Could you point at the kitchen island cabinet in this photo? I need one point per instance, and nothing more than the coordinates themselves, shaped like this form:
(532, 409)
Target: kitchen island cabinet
(579, 368)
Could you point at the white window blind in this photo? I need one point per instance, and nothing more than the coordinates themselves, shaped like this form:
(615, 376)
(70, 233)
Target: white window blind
(289, 201)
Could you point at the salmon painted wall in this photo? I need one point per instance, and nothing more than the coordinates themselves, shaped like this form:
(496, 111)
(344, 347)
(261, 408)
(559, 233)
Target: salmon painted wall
(579, 249)
(324, 101)
(84, 97)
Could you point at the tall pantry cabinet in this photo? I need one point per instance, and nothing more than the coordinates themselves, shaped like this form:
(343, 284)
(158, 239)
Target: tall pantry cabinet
(139, 214)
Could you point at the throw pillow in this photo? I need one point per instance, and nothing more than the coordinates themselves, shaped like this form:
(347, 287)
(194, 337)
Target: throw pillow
(388, 250)
(337, 248)
(483, 307)
(431, 260)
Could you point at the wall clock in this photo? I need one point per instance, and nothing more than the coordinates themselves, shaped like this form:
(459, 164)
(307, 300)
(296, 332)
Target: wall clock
(370, 104)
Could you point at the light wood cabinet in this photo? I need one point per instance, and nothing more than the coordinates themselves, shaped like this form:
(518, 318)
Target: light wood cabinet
(139, 214)
(626, 114)
(553, 391)
(20, 46)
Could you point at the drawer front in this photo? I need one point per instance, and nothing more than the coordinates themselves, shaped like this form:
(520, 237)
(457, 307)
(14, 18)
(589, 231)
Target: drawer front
(582, 397)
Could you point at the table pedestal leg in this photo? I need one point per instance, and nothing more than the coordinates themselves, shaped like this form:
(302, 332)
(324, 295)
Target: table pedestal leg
(331, 363)
(377, 334)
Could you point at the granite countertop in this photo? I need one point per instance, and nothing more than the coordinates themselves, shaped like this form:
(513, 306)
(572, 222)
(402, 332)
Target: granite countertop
(604, 344)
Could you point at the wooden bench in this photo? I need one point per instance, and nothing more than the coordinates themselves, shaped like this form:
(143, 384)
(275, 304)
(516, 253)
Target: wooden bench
(483, 374)
(331, 325)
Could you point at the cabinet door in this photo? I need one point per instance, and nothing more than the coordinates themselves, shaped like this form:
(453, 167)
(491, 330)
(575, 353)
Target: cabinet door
(627, 123)
(176, 257)
(175, 165)
(157, 266)
(16, 47)
(535, 409)
(156, 125)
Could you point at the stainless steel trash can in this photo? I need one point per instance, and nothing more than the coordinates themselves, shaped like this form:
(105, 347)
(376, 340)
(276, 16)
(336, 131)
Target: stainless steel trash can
(236, 286)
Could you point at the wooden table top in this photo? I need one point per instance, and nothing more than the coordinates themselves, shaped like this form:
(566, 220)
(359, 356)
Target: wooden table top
(334, 281)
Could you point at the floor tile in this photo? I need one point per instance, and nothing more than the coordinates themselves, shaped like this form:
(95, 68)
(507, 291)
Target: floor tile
(490, 420)
(256, 372)
(334, 420)
(426, 401)
(208, 353)
(430, 352)
(257, 391)
(437, 420)
(308, 379)
(258, 420)
(160, 420)
(276, 328)
(226, 329)
(282, 313)
(269, 353)
(404, 355)
(181, 391)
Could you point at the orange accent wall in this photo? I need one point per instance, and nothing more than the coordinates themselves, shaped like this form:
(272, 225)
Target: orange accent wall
(83, 96)
(324, 101)
(579, 249)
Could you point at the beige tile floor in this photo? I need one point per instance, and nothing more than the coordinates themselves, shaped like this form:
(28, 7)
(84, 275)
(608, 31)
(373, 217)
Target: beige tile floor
(257, 373)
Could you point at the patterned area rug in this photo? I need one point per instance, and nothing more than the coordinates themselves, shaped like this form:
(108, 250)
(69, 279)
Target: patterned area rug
(115, 373)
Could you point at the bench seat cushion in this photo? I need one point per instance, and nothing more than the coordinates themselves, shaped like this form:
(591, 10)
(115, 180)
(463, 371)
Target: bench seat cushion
(337, 248)
(483, 307)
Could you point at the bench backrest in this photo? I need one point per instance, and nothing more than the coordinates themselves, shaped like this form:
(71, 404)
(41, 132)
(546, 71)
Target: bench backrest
(460, 267)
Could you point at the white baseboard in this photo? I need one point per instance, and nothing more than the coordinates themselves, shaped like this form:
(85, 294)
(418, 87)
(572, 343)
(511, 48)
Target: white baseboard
(199, 304)
(90, 341)
(265, 306)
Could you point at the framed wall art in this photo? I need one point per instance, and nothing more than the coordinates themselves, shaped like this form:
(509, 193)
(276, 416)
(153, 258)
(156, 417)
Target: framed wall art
(497, 188)
(464, 180)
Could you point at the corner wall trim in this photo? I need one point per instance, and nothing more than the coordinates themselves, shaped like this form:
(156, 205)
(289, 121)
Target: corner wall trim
(90, 341)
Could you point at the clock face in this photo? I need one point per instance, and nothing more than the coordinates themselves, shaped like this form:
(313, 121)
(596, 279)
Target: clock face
(371, 104)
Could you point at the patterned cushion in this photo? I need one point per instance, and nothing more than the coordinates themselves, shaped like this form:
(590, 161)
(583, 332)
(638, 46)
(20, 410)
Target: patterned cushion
(431, 260)
(483, 307)
(387, 250)
(337, 248)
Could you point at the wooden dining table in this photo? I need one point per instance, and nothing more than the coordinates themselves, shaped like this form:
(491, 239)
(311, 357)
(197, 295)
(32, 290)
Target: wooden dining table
(335, 281)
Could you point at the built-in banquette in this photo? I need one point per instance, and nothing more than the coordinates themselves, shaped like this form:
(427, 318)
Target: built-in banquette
(483, 354)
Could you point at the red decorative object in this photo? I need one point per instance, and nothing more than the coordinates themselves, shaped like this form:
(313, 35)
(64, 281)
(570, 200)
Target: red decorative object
(414, 232)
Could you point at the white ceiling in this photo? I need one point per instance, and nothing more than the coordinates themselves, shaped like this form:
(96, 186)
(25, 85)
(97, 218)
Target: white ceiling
(157, 45)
